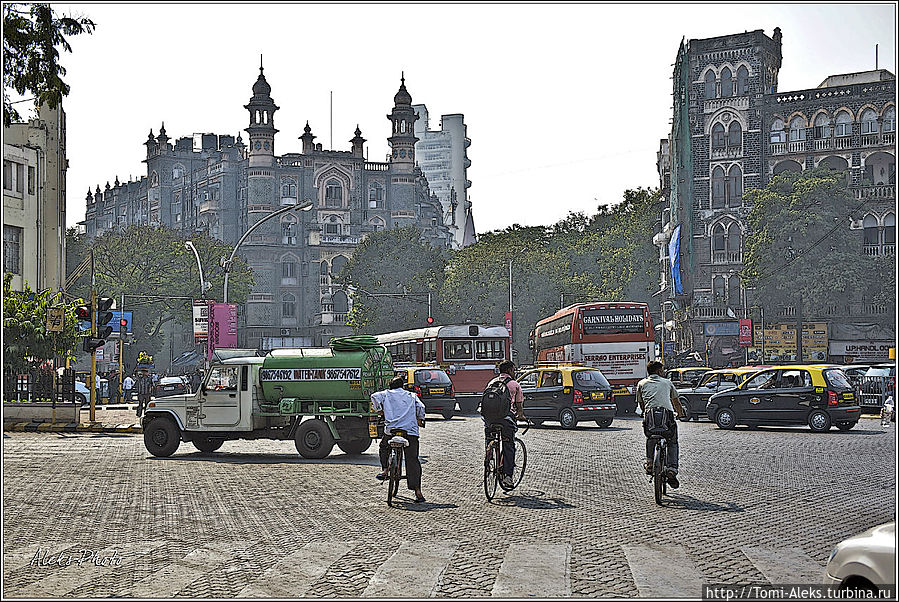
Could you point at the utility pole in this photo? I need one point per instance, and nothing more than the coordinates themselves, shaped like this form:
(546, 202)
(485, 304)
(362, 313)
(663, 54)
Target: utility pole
(93, 384)
(799, 329)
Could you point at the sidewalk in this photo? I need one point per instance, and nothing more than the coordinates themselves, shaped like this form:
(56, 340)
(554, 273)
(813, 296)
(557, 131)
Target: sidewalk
(108, 419)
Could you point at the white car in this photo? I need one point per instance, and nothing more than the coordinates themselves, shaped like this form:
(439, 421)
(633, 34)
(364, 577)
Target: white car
(865, 561)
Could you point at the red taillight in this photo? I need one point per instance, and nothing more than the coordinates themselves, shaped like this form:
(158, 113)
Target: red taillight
(452, 391)
(417, 389)
(578, 396)
(832, 398)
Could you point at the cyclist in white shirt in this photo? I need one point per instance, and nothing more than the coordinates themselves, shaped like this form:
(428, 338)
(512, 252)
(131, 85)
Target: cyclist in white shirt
(402, 410)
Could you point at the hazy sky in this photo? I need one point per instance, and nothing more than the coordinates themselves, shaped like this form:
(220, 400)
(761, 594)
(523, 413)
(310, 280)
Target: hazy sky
(565, 104)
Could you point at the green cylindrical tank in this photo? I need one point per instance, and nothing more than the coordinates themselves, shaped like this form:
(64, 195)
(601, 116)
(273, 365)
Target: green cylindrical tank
(325, 374)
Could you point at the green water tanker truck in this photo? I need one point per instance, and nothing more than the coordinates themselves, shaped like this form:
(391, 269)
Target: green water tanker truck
(315, 396)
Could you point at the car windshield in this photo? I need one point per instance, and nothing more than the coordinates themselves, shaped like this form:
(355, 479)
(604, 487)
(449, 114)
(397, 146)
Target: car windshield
(707, 379)
(431, 377)
(590, 378)
(836, 379)
(878, 371)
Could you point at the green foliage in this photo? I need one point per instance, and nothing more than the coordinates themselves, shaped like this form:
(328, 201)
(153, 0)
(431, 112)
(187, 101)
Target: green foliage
(26, 341)
(799, 245)
(31, 35)
(394, 262)
(146, 260)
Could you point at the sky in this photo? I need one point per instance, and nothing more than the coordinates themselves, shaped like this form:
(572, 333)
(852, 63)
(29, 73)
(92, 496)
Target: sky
(565, 104)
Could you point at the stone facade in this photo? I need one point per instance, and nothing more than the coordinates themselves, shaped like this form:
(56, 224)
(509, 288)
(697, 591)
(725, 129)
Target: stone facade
(224, 187)
(733, 131)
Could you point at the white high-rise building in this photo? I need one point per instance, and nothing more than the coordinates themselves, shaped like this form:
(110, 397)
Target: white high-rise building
(443, 158)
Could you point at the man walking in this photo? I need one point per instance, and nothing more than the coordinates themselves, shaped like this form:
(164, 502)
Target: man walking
(113, 380)
(144, 387)
(127, 386)
(402, 410)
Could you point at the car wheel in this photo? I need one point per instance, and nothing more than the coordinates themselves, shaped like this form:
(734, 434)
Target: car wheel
(313, 439)
(207, 445)
(845, 426)
(447, 414)
(567, 418)
(604, 423)
(819, 421)
(726, 419)
(162, 437)
(80, 399)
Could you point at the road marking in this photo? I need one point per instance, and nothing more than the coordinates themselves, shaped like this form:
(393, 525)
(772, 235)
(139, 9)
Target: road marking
(292, 576)
(171, 579)
(785, 565)
(663, 571)
(413, 571)
(534, 571)
(63, 579)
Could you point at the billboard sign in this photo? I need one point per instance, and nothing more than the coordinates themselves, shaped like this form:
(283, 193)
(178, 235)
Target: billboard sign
(222, 326)
(201, 320)
(745, 333)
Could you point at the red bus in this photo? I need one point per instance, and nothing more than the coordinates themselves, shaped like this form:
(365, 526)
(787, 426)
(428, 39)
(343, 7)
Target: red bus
(468, 353)
(616, 338)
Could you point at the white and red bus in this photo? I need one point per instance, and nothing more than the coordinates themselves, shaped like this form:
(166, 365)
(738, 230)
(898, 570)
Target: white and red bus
(616, 338)
(469, 353)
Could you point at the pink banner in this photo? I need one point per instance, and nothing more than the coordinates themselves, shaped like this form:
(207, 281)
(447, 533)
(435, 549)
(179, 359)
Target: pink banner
(745, 333)
(509, 322)
(222, 326)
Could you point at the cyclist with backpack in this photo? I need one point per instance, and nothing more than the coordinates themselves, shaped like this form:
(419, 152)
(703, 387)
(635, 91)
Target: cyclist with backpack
(503, 403)
(658, 401)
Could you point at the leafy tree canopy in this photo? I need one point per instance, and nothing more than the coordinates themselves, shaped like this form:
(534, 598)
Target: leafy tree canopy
(32, 34)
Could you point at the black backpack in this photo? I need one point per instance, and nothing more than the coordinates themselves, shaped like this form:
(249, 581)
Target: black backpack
(496, 402)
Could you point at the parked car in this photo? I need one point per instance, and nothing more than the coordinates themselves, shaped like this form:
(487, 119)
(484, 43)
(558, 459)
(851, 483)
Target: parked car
(686, 377)
(81, 389)
(855, 372)
(817, 395)
(864, 562)
(694, 400)
(433, 386)
(878, 383)
(170, 385)
(567, 394)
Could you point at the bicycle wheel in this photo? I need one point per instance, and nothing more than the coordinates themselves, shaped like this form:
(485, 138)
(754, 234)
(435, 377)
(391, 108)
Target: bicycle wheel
(491, 470)
(657, 476)
(394, 465)
(665, 469)
(521, 462)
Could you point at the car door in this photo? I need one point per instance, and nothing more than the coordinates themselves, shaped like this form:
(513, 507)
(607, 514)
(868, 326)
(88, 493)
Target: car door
(528, 382)
(220, 401)
(755, 401)
(795, 396)
(546, 396)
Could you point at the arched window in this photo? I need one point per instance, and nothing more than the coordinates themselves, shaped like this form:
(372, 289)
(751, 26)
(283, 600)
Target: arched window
(710, 84)
(871, 234)
(718, 137)
(324, 268)
(734, 186)
(734, 242)
(733, 291)
(734, 134)
(341, 303)
(403, 126)
(719, 244)
(376, 196)
(822, 126)
(777, 131)
(377, 224)
(889, 120)
(333, 194)
(869, 122)
(288, 189)
(718, 289)
(797, 129)
(332, 226)
(177, 171)
(289, 230)
(337, 264)
(889, 229)
(727, 83)
(742, 81)
(718, 188)
(288, 306)
(844, 124)
(288, 268)
(784, 166)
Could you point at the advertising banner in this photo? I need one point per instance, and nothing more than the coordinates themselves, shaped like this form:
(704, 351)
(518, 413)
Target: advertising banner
(222, 326)
(862, 351)
(745, 333)
(721, 329)
(674, 261)
(777, 343)
(509, 322)
(612, 321)
(201, 320)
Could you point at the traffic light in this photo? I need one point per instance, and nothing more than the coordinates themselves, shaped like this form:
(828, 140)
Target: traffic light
(430, 320)
(83, 312)
(104, 329)
(103, 313)
(123, 327)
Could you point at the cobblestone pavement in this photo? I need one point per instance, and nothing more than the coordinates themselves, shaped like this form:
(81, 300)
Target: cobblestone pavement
(256, 520)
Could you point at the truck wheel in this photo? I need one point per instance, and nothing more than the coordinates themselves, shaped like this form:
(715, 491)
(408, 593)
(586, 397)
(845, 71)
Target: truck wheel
(162, 437)
(603, 422)
(354, 446)
(313, 439)
(447, 414)
(207, 445)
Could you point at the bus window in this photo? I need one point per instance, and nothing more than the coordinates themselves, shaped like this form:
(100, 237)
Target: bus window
(457, 350)
(429, 351)
(490, 350)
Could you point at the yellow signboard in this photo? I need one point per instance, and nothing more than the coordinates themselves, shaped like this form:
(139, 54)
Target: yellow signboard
(777, 343)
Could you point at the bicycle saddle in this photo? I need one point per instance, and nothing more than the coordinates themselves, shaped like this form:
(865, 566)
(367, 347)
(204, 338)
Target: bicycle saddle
(397, 440)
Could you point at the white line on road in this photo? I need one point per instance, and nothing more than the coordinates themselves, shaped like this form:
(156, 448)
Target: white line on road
(663, 571)
(168, 581)
(413, 571)
(785, 565)
(534, 571)
(292, 576)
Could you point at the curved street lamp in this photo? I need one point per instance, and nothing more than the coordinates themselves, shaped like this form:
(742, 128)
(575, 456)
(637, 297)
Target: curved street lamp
(226, 263)
(204, 286)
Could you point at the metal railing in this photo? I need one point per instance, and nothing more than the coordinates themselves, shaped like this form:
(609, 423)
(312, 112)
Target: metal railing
(875, 389)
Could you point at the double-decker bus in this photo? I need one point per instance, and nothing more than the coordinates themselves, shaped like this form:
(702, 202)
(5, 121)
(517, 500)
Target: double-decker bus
(468, 353)
(616, 338)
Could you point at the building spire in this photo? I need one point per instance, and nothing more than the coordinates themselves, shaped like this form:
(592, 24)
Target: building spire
(260, 62)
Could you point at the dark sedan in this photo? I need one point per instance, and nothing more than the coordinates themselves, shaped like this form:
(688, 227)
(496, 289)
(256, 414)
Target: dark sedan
(170, 385)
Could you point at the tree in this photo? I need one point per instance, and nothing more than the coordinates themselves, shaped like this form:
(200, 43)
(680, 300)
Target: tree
(31, 35)
(398, 263)
(800, 249)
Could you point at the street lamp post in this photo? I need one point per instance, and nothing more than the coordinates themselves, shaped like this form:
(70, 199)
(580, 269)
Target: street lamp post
(204, 286)
(226, 263)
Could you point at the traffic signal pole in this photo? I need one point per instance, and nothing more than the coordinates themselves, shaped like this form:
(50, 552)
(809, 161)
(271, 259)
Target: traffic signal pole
(93, 355)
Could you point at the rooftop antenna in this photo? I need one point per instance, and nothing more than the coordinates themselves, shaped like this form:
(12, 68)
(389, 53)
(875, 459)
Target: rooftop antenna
(876, 57)
(332, 119)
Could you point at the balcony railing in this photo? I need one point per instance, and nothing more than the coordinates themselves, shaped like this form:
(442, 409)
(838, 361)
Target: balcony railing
(842, 142)
(340, 240)
(778, 148)
(727, 312)
(727, 257)
(371, 166)
(869, 140)
(823, 144)
(886, 250)
(880, 192)
(797, 146)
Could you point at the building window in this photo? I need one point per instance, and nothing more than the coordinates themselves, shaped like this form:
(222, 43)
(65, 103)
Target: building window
(718, 137)
(377, 224)
(797, 129)
(733, 291)
(871, 234)
(376, 196)
(719, 243)
(30, 180)
(777, 132)
(822, 126)
(288, 232)
(869, 122)
(288, 190)
(333, 194)
(7, 175)
(288, 269)
(288, 306)
(710, 84)
(734, 135)
(12, 249)
(177, 172)
(844, 124)
(718, 289)
(332, 227)
(718, 188)
(742, 81)
(727, 83)
(341, 303)
(734, 186)
(889, 229)
(889, 120)
(734, 243)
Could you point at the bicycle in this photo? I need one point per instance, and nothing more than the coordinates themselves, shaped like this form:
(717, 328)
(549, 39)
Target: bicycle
(395, 463)
(659, 467)
(493, 461)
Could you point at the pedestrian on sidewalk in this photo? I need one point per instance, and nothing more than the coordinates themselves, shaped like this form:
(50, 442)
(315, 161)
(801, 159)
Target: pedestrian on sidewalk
(113, 379)
(127, 386)
(144, 386)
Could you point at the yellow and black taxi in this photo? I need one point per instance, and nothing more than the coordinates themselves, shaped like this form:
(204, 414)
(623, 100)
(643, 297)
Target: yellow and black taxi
(686, 377)
(433, 387)
(818, 395)
(567, 394)
(695, 399)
